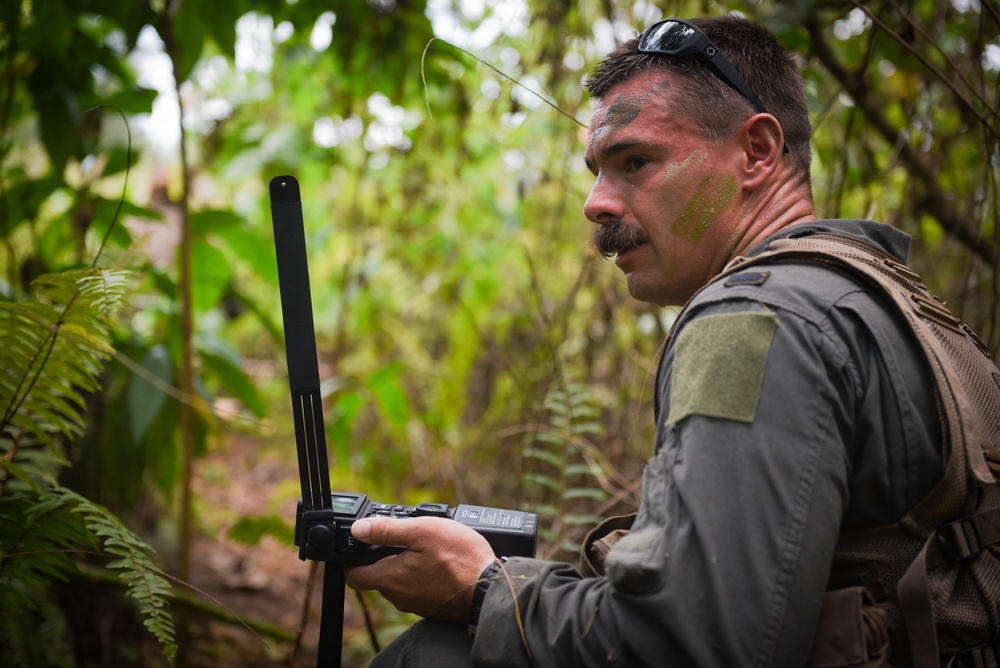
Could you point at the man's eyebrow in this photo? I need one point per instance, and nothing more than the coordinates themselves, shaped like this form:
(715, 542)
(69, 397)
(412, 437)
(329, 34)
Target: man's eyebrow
(610, 151)
(620, 147)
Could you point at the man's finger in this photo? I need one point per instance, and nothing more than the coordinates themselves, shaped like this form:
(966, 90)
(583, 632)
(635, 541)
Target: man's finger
(370, 576)
(389, 531)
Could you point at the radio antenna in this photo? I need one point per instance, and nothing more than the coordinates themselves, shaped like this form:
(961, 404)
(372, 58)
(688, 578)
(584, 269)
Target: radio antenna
(315, 520)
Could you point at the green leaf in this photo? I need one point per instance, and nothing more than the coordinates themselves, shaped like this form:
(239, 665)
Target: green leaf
(220, 18)
(188, 30)
(19, 473)
(339, 430)
(585, 493)
(210, 275)
(251, 250)
(107, 214)
(118, 160)
(579, 469)
(250, 530)
(235, 382)
(582, 520)
(58, 133)
(588, 428)
(144, 399)
(217, 221)
(144, 583)
(544, 455)
(26, 197)
(570, 546)
(543, 480)
(544, 509)
(554, 438)
(385, 385)
(132, 101)
(56, 19)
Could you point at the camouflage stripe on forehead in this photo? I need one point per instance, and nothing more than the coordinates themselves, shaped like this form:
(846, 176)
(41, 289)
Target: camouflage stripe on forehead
(626, 107)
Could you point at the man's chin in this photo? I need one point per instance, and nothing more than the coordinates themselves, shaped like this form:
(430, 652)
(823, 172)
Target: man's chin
(637, 288)
(644, 292)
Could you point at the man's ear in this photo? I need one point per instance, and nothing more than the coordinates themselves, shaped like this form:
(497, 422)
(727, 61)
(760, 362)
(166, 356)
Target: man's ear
(764, 143)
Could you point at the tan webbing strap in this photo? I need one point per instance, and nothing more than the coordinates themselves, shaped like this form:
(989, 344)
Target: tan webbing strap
(966, 537)
(993, 462)
(599, 542)
(965, 465)
(955, 541)
(913, 592)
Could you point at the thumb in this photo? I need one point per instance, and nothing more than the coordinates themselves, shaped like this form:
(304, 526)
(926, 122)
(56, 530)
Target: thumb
(382, 531)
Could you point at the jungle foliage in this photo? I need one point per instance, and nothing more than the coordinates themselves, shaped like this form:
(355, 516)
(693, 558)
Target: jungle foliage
(472, 347)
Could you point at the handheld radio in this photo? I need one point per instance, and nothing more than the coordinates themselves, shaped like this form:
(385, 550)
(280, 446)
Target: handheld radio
(323, 519)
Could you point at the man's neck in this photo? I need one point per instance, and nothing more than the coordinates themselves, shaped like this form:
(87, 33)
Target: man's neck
(788, 204)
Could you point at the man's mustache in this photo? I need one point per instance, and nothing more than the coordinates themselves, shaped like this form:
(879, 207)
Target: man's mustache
(615, 237)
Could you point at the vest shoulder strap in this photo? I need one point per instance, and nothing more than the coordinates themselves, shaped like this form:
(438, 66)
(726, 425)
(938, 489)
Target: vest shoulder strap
(958, 524)
(967, 380)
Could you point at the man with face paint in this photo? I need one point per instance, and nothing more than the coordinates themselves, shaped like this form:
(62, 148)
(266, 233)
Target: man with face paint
(791, 403)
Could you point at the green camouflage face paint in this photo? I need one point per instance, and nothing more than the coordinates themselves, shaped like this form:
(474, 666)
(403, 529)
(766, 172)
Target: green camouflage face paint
(625, 109)
(712, 195)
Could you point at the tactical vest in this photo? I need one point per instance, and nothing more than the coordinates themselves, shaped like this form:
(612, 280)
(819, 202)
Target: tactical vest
(934, 575)
(925, 591)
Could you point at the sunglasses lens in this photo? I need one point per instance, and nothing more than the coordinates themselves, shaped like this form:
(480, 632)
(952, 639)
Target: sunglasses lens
(666, 37)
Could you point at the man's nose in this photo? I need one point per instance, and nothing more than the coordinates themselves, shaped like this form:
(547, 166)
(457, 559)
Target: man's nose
(603, 204)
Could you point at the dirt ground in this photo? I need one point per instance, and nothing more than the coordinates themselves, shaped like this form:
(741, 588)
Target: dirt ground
(265, 583)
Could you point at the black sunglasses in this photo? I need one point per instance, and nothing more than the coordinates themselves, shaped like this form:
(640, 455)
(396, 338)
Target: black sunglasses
(674, 37)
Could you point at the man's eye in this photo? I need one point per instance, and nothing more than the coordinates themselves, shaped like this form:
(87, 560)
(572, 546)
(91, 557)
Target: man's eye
(634, 164)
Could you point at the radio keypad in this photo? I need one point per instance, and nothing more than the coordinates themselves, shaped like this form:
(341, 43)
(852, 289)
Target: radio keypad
(389, 510)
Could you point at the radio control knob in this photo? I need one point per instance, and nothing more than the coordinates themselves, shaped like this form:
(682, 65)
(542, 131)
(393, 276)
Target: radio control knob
(431, 510)
(320, 535)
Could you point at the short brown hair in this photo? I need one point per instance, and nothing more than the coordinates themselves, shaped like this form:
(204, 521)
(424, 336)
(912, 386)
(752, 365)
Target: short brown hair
(708, 102)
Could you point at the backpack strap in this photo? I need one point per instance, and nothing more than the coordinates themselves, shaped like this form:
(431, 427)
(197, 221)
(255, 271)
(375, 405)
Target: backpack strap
(949, 544)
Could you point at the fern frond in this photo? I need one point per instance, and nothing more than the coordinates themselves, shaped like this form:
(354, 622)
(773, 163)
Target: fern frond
(19, 634)
(567, 481)
(142, 579)
(57, 344)
(39, 531)
(552, 459)
(104, 291)
(594, 493)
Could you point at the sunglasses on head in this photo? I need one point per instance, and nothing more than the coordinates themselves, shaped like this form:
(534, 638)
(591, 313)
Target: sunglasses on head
(674, 37)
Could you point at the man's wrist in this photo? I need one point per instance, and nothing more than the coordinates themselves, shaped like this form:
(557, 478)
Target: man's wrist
(479, 594)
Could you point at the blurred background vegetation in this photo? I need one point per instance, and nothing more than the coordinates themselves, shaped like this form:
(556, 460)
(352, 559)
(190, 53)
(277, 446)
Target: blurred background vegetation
(472, 347)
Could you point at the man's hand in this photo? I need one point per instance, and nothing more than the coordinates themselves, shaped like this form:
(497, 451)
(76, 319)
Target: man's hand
(437, 573)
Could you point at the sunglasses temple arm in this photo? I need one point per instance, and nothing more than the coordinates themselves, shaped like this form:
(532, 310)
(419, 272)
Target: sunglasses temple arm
(731, 76)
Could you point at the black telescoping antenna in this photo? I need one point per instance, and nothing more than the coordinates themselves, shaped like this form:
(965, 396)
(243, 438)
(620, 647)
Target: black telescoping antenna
(315, 520)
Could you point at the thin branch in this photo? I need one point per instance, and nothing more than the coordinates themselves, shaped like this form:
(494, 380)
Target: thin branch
(218, 611)
(499, 72)
(936, 201)
(121, 198)
(44, 351)
(944, 79)
(304, 614)
(172, 391)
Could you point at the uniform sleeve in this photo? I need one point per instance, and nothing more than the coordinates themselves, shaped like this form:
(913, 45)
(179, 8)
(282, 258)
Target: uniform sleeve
(741, 506)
